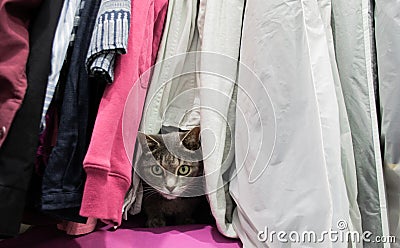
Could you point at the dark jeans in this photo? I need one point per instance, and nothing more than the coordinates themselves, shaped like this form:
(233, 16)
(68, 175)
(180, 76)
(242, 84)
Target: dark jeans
(64, 178)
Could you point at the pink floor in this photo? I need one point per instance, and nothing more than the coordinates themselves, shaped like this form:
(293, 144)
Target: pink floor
(127, 236)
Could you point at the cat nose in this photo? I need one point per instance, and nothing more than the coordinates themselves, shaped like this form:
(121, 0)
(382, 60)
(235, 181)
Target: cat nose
(170, 188)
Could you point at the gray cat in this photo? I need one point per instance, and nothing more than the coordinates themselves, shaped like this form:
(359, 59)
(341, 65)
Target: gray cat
(171, 169)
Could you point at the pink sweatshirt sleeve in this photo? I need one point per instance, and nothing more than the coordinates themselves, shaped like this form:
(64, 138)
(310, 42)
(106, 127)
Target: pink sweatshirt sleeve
(108, 162)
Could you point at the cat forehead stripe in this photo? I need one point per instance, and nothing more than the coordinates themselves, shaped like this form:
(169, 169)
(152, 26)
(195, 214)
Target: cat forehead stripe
(170, 160)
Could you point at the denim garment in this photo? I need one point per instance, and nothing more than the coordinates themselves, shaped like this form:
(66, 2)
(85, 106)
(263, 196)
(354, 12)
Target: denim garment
(64, 178)
(66, 28)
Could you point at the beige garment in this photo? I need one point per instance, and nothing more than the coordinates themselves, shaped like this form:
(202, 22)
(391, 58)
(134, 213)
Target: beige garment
(220, 24)
(171, 91)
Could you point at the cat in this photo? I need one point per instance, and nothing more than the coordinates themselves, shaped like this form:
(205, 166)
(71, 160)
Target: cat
(171, 169)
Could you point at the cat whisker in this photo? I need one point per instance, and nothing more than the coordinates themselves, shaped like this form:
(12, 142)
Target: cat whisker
(145, 197)
(145, 191)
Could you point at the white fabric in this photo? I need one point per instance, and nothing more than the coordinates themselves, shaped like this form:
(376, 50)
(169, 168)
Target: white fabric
(353, 38)
(61, 41)
(387, 30)
(220, 25)
(347, 153)
(288, 145)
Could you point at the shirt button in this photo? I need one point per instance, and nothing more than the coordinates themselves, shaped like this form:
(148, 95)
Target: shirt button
(3, 132)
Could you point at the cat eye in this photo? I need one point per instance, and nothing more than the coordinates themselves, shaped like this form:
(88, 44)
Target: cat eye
(184, 170)
(156, 170)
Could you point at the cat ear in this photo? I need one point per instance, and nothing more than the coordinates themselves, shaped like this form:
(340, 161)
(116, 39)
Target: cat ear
(148, 141)
(191, 139)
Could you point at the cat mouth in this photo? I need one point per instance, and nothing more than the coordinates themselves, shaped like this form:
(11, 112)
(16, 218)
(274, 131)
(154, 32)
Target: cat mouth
(168, 197)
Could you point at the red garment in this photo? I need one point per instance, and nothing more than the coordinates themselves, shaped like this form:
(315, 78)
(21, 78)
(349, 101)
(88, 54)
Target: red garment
(14, 49)
(47, 140)
(108, 161)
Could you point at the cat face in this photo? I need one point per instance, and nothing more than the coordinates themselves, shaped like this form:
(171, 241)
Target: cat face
(171, 163)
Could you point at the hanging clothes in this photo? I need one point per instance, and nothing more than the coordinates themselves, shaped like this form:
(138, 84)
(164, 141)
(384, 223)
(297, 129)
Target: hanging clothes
(17, 153)
(387, 34)
(68, 19)
(353, 38)
(288, 149)
(15, 17)
(64, 177)
(49, 129)
(108, 163)
(109, 38)
(46, 143)
(172, 75)
(220, 26)
(163, 106)
(346, 143)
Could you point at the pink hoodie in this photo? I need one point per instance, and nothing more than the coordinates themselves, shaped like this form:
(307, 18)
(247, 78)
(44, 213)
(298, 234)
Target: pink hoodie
(108, 162)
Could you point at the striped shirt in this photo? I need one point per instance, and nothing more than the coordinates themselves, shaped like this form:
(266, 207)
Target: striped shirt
(109, 38)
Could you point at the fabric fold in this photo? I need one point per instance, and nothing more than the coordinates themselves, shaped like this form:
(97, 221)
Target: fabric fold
(108, 165)
(69, 18)
(387, 34)
(347, 152)
(220, 29)
(353, 39)
(109, 38)
(173, 74)
(64, 178)
(288, 175)
(27, 30)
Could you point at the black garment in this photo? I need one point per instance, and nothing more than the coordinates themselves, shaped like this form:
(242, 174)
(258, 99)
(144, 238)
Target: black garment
(33, 200)
(19, 149)
(64, 178)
